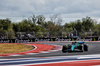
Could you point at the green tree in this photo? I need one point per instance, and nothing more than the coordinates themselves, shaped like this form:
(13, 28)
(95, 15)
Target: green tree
(11, 33)
(40, 19)
(25, 26)
(16, 27)
(87, 23)
(78, 26)
(5, 23)
(96, 30)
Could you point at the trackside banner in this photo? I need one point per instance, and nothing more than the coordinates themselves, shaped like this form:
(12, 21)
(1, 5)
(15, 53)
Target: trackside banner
(48, 39)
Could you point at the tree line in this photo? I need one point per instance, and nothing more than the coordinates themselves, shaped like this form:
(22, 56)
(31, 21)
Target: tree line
(84, 27)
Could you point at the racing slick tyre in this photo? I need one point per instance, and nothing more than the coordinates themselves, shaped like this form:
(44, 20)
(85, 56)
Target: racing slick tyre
(82, 48)
(64, 49)
(85, 48)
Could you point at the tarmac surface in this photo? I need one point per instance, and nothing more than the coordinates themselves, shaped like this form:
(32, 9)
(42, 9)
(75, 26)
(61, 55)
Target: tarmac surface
(94, 48)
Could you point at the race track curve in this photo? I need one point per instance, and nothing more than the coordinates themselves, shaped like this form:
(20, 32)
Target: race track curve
(94, 48)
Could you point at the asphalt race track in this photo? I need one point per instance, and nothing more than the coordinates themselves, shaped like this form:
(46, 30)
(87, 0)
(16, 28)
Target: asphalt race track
(94, 48)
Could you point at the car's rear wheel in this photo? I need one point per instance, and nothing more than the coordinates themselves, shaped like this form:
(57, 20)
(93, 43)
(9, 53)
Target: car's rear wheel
(81, 48)
(64, 49)
(85, 48)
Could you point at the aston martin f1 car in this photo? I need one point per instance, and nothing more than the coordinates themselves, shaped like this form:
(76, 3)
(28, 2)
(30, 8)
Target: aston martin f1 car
(75, 46)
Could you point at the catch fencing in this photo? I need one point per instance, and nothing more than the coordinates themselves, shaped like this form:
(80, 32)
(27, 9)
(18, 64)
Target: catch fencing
(24, 37)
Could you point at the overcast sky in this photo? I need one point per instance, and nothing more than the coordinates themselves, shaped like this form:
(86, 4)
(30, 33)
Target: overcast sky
(69, 10)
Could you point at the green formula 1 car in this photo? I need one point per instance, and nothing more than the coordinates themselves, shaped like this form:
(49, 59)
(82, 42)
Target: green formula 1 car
(75, 46)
